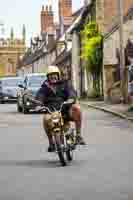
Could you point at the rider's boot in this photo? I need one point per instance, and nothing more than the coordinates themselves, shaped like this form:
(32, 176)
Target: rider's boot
(80, 140)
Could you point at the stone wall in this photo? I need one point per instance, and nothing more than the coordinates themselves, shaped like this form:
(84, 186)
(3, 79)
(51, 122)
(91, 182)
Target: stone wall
(107, 12)
(111, 44)
(9, 59)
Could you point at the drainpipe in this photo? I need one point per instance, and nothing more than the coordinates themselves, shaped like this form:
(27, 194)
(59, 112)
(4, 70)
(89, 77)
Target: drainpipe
(33, 68)
(76, 62)
(123, 70)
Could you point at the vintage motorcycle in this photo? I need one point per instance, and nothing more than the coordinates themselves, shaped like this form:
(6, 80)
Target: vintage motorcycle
(63, 133)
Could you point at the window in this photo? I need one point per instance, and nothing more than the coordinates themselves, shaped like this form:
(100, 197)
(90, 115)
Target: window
(11, 82)
(36, 81)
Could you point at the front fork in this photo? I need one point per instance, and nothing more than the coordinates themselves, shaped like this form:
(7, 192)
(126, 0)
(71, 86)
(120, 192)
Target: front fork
(64, 141)
(59, 138)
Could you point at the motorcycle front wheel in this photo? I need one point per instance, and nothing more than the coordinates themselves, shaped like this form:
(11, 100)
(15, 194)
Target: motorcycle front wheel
(60, 150)
(69, 147)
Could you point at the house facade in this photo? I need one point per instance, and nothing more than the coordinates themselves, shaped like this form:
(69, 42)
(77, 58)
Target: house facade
(79, 75)
(65, 51)
(112, 75)
(53, 46)
(107, 17)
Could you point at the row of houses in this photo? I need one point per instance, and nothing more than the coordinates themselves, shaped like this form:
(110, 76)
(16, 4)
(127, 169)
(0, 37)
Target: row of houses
(65, 50)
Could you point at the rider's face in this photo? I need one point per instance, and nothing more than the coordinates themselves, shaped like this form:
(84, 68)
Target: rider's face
(53, 77)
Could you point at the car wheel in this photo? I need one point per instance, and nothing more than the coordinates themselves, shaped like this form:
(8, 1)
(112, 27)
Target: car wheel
(25, 110)
(19, 109)
(2, 101)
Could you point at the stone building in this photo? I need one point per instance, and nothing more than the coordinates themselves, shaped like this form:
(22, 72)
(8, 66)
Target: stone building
(38, 57)
(79, 75)
(107, 18)
(10, 50)
(107, 13)
(111, 57)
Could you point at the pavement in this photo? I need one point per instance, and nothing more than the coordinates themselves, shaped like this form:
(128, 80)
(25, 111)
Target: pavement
(120, 110)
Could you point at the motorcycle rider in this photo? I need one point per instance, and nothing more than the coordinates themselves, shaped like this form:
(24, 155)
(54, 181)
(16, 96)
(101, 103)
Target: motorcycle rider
(54, 92)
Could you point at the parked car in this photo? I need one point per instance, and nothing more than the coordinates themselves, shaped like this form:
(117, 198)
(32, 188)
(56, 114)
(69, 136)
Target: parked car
(8, 88)
(29, 87)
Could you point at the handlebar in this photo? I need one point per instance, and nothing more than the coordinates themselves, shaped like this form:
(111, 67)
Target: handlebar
(45, 108)
(36, 101)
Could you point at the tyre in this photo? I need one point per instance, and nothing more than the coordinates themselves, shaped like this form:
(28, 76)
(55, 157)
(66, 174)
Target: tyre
(2, 102)
(25, 110)
(70, 147)
(19, 108)
(60, 151)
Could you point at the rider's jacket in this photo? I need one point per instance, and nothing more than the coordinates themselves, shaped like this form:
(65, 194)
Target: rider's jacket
(55, 94)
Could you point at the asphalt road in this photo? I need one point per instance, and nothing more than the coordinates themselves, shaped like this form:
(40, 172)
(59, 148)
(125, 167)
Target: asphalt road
(103, 170)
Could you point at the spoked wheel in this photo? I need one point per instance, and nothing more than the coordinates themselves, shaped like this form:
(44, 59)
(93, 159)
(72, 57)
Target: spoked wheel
(70, 147)
(60, 151)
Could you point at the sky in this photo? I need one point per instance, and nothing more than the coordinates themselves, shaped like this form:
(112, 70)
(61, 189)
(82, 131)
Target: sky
(15, 13)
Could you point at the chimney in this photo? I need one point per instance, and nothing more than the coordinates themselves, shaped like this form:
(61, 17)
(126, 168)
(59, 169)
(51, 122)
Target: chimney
(46, 8)
(42, 19)
(65, 14)
(47, 19)
(65, 8)
(50, 8)
(50, 18)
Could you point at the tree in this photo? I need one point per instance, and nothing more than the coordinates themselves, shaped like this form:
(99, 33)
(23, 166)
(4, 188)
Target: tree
(92, 53)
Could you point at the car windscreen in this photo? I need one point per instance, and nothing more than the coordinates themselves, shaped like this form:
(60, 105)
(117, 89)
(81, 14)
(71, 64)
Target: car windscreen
(36, 81)
(11, 82)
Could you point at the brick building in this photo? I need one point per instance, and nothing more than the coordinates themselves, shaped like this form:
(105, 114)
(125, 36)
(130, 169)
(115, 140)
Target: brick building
(47, 20)
(65, 18)
(65, 14)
